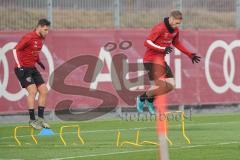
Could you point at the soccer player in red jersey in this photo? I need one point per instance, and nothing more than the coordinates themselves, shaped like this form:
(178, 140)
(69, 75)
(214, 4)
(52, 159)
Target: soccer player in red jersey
(159, 43)
(26, 55)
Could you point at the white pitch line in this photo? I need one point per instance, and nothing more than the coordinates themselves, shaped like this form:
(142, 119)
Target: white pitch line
(10, 159)
(57, 122)
(124, 129)
(143, 150)
(104, 154)
(90, 131)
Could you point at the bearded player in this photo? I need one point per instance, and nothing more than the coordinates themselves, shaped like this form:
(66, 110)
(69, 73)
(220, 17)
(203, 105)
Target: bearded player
(26, 54)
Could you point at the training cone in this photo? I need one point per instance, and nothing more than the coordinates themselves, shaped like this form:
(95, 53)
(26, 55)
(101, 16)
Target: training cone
(46, 132)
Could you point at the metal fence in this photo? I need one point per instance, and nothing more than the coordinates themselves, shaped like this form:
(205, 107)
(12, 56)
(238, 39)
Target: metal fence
(88, 14)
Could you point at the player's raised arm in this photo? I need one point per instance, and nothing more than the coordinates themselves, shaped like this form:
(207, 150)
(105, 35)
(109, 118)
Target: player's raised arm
(193, 56)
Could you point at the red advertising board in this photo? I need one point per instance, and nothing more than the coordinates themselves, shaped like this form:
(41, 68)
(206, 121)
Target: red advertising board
(86, 66)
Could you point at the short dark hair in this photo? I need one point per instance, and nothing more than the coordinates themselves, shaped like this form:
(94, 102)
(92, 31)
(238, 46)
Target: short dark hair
(44, 22)
(176, 14)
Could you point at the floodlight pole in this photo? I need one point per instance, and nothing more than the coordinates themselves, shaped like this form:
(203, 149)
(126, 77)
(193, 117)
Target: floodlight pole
(179, 6)
(238, 14)
(116, 14)
(50, 12)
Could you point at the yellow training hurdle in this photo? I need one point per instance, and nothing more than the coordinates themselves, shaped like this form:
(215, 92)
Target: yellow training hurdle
(71, 126)
(15, 134)
(137, 141)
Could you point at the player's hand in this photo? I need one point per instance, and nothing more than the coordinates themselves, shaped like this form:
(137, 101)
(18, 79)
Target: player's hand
(195, 58)
(41, 65)
(20, 71)
(168, 50)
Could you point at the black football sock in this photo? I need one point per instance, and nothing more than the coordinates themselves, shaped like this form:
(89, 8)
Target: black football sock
(150, 99)
(143, 96)
(31, 114)
(40, 111)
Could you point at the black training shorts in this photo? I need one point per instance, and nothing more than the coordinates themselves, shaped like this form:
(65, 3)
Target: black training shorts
(158, 71)
(29, 76)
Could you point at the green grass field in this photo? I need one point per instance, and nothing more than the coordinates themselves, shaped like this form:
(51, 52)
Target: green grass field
(213, 137)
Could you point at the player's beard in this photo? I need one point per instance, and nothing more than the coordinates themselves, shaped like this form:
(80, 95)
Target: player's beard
(43, 36)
